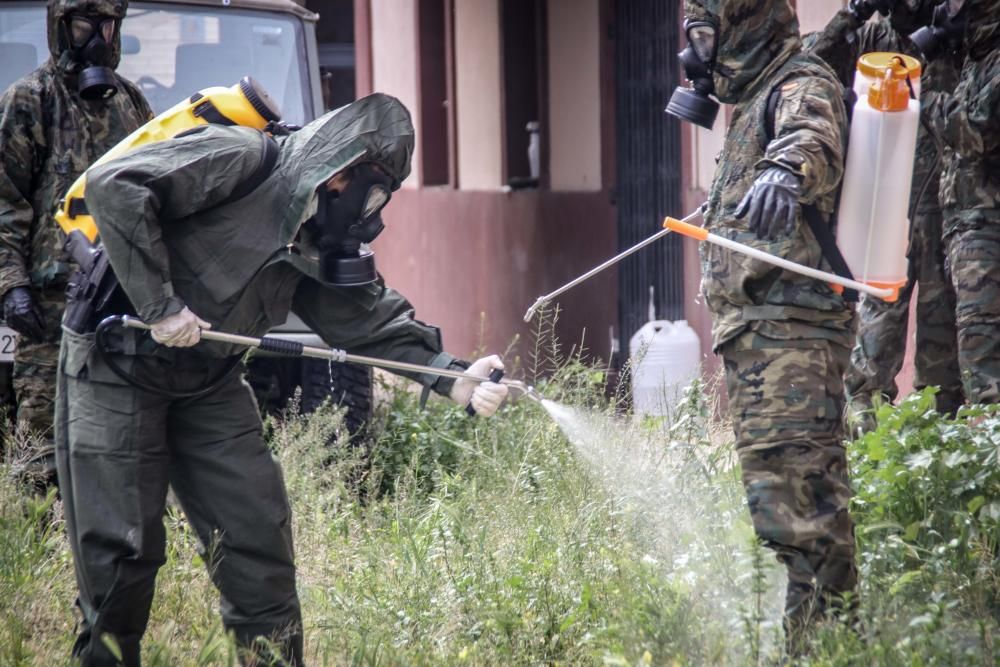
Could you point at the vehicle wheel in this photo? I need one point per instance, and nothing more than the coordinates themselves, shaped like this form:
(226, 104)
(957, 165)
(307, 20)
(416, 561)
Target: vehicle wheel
(348, 385)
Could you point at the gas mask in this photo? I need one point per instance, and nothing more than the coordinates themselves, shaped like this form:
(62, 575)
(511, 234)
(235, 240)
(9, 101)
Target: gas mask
(945, 33)
(698, 59)
(346, 220)
(90, 40)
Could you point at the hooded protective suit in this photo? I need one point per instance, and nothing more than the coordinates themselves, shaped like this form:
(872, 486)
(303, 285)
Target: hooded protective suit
(784, 338)
(877, 357)
(242, 266)
(969, 124)
(49, 135)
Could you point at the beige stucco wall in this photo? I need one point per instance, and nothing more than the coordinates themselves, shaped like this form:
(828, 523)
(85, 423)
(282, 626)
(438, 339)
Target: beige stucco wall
(477, 94)
(394, 68)
(574, 123)
(814, 14)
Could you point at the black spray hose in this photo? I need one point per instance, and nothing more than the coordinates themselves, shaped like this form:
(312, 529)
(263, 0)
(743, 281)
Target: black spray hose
(495, 376)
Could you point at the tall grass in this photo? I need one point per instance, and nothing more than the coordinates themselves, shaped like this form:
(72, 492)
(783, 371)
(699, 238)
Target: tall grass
(449, 540)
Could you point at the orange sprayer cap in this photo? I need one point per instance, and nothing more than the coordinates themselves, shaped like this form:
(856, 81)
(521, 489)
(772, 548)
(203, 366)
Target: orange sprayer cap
(873, 65)
(892, 73)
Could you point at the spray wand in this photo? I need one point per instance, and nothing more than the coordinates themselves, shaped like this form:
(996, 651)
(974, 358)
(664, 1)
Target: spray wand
(685, 228)
(291, 348)
(542, 300)
(702, 234)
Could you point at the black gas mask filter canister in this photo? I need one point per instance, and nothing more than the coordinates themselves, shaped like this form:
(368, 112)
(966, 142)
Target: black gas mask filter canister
(90, 39)
(698, 59)
(346, 220)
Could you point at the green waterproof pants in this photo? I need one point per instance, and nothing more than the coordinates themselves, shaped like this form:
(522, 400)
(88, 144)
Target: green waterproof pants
(118, 448)
(786, 399)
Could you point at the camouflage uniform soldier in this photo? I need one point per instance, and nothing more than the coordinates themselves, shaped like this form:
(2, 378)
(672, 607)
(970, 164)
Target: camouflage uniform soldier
(969, 124)
(784, 338)
(878, 354)
(53, 123)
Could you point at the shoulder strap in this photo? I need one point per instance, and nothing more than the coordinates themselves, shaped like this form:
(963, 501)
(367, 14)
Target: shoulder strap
(822, 230)
(268, 159)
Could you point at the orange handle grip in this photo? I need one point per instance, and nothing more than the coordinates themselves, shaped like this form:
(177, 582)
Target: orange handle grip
(685, 228)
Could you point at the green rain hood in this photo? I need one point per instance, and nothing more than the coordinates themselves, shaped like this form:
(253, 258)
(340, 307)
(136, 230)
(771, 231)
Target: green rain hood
(755, 38)
(160, 240)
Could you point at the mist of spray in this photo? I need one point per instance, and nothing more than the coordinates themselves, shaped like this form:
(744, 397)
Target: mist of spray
(689, 510)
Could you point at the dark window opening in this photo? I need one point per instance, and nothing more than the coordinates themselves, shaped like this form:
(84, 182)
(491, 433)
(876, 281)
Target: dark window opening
(522, 40)
(434, 91)
(335, 44)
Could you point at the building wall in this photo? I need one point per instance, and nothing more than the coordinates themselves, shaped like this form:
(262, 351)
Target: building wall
(478, 102)
(473, 258)
(574, 95)
(394, 70)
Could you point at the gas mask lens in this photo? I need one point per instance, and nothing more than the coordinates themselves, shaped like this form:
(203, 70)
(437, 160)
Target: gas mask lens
(701, 36)
(83, 28)
(375, 201)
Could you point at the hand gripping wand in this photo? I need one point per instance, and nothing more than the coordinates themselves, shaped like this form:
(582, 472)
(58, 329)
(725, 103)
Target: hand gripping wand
(291, 348)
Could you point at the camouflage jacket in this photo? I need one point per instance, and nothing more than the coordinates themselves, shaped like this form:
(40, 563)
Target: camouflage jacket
(49, 135)
(760, 50)
(968, 121)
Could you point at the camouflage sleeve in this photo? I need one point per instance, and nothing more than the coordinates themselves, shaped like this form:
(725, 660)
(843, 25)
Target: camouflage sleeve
(837, 44)
(810, 133)
(376, 321)
(910, 15)
(143, 110)
(131, 198)
(21, 135)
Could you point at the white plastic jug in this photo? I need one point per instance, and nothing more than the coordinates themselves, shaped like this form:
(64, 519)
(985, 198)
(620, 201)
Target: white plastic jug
(872, 224)
(665, 357)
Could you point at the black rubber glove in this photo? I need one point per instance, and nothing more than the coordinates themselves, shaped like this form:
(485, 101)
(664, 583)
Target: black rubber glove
(863, 9)
(772, 202)
(21, 313)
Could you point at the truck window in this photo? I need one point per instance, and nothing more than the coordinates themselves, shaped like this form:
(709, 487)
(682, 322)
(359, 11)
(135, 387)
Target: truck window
(23, 41)
(182, 49)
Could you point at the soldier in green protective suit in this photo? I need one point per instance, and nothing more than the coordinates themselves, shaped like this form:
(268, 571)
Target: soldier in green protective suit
(968, 121)
(188, 256)
(784, 338)
(54, 123)
(878, 354)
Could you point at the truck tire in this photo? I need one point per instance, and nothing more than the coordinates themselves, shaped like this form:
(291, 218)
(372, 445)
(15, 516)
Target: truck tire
(347, 385)
(274, 381)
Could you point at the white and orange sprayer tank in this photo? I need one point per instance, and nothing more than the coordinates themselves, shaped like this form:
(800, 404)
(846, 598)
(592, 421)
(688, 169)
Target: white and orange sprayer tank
(873, 225)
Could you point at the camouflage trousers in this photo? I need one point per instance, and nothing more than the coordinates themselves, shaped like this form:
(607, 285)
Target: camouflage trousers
(786, 399)
(974, 265)
(34, 379)
(878, 355)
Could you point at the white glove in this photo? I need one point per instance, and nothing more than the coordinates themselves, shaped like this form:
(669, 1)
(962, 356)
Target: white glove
(181, 329)
(486, 397)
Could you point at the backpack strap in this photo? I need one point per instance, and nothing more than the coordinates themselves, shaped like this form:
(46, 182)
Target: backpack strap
(814, 219)
(268, 159)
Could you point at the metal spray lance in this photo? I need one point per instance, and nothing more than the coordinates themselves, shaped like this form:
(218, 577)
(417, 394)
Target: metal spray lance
(292, 348)
(684, 228)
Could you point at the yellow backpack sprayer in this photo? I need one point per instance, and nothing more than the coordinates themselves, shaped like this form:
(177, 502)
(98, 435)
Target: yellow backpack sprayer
(90, 288)
(873, 205)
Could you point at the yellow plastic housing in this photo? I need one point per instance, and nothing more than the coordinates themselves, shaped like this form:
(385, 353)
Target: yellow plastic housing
(216, 104)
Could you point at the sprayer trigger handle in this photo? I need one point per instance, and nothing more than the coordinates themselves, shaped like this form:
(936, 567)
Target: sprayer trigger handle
(495, 376)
